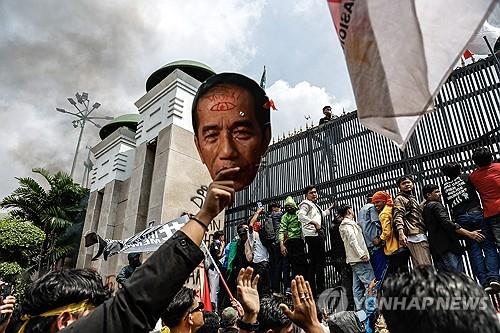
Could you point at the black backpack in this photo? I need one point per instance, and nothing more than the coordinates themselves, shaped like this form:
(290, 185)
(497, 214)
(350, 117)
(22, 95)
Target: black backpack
(267, 233)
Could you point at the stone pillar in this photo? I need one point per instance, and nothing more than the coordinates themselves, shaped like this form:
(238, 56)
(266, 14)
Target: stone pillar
(91, 222)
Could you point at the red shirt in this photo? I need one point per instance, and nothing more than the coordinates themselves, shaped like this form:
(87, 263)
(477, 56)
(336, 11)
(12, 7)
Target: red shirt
(486, 180)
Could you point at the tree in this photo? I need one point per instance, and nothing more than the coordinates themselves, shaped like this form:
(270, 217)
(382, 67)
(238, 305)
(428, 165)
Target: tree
(56, 210)
(19, 246)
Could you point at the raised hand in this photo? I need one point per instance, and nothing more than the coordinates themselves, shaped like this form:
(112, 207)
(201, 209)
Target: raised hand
(304, 309)
(248, 294)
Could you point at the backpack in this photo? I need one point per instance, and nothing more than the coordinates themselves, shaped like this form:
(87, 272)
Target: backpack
(267, 234)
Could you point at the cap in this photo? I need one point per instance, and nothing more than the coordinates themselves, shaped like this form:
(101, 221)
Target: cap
(228, 317)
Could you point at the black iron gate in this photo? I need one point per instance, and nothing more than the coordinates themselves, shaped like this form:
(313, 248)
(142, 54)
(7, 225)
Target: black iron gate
(346, 161)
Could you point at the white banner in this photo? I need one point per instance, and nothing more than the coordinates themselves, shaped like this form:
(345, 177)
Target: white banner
(399, 53)
(148, 240)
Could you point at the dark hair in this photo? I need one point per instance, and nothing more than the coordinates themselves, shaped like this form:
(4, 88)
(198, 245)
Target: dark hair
(451, 169)
(218, 234)
(178, 307)
(270, 316)
(262, 111)
(240, 227)
(426, 283)
(326, 106)
(342, 210)
(428, 189)
(211, 323)
(274, 205)
(482, 157)
(308, 188)
(57, 289)
(403, 178)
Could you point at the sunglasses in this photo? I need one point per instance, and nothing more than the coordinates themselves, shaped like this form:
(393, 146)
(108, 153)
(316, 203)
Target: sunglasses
(200, 307)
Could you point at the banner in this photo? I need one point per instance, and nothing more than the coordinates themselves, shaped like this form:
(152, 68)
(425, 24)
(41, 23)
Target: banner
(399, 53)
(148, 240)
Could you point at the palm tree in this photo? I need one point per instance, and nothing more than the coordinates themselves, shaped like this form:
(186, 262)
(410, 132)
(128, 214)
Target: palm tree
(56, 209)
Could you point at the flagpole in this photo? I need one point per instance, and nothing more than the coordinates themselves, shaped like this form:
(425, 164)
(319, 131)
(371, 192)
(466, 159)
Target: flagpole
(492, 52)
(218, 271)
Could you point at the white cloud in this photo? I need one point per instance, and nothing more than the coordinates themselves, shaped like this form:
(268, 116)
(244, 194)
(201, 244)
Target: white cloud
(295, 103)
(217, 31)
(304, 6)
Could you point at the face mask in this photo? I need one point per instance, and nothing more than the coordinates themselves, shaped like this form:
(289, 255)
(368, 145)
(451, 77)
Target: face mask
(290, 210)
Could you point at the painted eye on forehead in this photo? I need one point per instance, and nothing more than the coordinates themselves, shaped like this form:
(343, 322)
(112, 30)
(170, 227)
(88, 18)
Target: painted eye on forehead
(222, 106)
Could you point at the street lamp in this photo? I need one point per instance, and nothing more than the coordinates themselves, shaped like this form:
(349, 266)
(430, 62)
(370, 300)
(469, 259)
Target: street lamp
(82, 117)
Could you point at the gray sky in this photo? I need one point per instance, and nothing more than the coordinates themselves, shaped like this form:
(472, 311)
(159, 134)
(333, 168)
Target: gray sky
(51, 49)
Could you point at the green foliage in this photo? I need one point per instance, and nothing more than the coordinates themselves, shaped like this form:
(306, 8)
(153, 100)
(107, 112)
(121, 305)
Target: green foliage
(19, 242)
(9, 270)
(54, 211)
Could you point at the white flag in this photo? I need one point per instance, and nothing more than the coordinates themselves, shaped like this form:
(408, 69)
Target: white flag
(400, 52)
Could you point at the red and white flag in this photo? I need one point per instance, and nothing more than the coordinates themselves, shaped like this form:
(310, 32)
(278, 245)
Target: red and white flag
(399, 53)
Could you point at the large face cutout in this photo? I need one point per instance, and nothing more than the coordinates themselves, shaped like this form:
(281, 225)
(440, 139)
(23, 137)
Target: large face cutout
(229, 134)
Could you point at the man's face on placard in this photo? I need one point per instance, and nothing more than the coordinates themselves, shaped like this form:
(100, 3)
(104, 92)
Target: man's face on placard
(228, 133)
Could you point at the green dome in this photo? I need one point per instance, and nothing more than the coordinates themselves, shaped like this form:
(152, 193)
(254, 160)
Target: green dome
(196, 69)
(128, 120)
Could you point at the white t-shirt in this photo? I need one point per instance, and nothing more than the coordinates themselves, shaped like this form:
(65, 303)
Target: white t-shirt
(260, 252)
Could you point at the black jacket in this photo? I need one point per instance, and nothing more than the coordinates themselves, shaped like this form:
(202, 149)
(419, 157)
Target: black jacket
(147, 293)
(442, 235)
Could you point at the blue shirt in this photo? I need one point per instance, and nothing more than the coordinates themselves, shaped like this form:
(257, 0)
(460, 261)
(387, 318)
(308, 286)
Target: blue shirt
(370, 225)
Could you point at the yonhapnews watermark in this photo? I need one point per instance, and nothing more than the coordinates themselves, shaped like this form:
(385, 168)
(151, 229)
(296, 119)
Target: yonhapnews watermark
(335, 300)
(438, 303)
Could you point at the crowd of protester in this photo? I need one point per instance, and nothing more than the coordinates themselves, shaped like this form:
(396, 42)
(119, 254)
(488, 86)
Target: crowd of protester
(275, 265)
(388, 235)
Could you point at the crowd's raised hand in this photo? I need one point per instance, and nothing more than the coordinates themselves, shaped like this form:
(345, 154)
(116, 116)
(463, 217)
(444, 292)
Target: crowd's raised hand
(248, 295)
(304, 308)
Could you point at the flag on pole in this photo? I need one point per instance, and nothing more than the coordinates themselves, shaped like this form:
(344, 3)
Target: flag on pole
(263, 79)
(148, 240)
(399, 53)
(468, 54)
(205, 293)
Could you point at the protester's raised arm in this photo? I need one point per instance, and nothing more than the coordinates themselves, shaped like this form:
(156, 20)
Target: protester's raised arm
(146, 294)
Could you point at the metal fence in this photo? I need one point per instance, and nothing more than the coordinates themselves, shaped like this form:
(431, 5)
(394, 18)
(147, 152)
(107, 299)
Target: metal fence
(346, 161)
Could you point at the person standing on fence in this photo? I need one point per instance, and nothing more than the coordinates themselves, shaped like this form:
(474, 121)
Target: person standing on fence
(461, 197)
(409, 224)
(397, 256)
(292, 245)
(357, 255)
(275, 258)
(370, 225)
(327, 111)
(443, 241)
(259, 255)
(311, 218)
(338, 259)
(486, 180)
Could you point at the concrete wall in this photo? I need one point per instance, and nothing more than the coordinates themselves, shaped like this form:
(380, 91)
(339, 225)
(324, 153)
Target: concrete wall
(162, 178)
